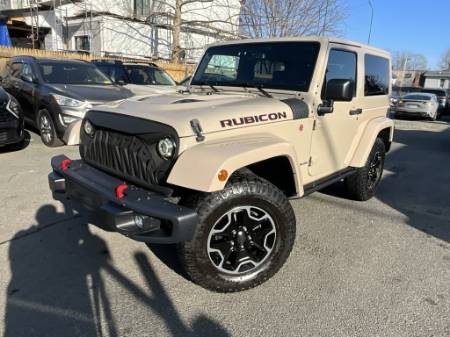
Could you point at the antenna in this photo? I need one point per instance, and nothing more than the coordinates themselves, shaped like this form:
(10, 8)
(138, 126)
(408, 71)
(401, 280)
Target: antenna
(371, 21)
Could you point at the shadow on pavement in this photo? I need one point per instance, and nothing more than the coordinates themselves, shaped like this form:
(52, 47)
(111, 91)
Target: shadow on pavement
(17, 147)
(57, 289)
(417, 180)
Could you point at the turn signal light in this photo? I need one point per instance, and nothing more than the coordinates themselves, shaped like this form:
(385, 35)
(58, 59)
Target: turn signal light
(65, 164)
(223, 175)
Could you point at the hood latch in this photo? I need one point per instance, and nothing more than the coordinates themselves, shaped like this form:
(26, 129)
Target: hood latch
(197, 128)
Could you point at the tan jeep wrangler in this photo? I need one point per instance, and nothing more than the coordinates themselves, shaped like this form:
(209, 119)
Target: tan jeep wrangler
(212, 169)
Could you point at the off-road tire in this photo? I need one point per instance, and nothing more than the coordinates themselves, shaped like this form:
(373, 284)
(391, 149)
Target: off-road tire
(359, 185)
(245, 189)
(47, 129)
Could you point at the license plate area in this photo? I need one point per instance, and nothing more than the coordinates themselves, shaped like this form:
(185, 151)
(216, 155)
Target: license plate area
(88, 198)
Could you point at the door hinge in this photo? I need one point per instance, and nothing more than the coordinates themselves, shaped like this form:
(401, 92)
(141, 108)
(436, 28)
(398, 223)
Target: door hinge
(310, 161)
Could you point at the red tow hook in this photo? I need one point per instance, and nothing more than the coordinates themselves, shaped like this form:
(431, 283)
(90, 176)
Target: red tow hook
(120, 190)
(65, 164)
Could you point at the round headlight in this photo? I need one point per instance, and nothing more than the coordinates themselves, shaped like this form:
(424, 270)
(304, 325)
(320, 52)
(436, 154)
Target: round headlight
(166, 148)
(89, 128)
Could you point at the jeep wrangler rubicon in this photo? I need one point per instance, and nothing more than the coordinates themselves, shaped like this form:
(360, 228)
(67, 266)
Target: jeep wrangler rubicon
(213, 168)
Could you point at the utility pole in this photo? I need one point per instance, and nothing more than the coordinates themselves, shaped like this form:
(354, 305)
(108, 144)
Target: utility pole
(325, 19)
(371, 21)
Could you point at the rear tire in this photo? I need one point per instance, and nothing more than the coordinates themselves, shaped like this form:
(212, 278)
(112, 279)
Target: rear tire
(363, 184)
(47, 129)
(245, 234)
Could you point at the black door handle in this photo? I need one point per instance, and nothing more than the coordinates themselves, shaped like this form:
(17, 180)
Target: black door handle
(356, 112)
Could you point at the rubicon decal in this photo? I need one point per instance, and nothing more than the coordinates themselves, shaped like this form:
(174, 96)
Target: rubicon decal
(253, 119)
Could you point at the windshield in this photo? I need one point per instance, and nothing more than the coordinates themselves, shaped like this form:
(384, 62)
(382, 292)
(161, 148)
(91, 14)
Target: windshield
(418, 97)
(145, 75)
(116, 72)
(72, 73)
(277, 65)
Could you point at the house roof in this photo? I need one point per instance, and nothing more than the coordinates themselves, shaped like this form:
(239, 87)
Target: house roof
(438, 74)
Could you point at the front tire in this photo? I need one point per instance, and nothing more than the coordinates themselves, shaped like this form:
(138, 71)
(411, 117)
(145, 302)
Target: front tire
(363, 184)
(245, 234)
(47, 129)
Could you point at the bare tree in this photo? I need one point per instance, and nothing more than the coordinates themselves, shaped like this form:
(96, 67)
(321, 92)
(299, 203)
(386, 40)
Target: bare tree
(277, 18)
(218, 18)
(445, 60)
(405, 60)
(184, 21)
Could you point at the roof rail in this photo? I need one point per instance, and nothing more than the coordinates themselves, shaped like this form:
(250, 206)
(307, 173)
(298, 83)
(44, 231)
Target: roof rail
(107, 61)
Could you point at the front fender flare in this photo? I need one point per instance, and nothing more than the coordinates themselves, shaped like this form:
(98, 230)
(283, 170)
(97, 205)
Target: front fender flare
(198, 167)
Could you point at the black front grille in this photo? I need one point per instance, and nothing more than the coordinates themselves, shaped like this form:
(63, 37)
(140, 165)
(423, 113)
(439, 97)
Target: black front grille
(133, 158)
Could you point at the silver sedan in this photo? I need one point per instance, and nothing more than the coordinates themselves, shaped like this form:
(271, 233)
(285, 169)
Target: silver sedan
(418, 105)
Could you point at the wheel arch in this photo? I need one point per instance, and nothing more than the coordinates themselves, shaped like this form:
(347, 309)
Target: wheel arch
(259, 154)
(381, 127)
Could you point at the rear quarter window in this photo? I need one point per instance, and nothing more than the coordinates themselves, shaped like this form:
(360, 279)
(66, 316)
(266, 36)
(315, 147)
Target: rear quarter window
(376, 75)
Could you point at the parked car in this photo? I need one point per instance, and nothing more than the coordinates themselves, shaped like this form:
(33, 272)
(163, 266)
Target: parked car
(213, 169)
(418, 105)
(140, 78)
(11, 120)
(55, 93)
(443, 98)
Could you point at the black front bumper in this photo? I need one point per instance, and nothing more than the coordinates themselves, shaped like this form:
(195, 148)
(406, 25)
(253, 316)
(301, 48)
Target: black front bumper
(11, 132)
(141, 215)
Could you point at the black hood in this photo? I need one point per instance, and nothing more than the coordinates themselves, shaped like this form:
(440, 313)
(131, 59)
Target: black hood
(92, 93)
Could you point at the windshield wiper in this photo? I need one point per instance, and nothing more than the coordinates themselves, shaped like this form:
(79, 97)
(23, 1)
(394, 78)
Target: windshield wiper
(208, 84)
(260, 87)
(264, 92)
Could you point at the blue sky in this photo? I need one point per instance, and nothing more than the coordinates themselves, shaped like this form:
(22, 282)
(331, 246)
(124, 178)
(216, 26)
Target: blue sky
(413, 25)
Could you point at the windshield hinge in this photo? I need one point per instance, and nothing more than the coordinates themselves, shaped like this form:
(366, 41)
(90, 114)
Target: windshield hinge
(197, 128)
(314, 124)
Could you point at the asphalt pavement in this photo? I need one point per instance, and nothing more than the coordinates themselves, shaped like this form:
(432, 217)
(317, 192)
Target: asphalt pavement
(378, 268)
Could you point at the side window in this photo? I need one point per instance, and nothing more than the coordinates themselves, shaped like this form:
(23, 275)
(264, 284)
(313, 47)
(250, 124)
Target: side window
(341, 65)
(27, 71)
(16, 69)
(376, 75)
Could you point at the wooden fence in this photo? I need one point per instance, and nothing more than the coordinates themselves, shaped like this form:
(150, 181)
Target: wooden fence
(177, 71)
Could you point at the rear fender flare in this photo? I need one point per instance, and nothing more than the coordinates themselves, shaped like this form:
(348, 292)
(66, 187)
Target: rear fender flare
(371, 132)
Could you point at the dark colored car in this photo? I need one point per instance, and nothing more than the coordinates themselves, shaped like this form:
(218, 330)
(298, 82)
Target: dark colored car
(140, 78)
(11, 120)
(55, 93)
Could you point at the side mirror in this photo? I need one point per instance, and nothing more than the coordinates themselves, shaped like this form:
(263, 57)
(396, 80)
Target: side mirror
(120, 82)
(27, 78)
(340, 90)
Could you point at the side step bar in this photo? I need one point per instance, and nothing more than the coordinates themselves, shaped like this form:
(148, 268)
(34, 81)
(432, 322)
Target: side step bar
(329, 180)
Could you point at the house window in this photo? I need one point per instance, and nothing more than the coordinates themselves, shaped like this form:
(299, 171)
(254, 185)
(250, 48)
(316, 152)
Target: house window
(141, 8)
(442, 83)
(82, 42)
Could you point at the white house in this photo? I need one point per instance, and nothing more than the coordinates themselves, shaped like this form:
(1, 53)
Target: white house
(437, 79)
(138, 28)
